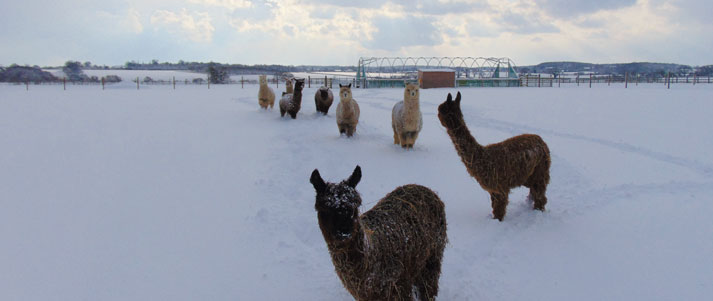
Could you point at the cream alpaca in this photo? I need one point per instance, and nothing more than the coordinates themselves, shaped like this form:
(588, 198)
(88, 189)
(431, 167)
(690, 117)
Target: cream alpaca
(347, 111)
(406, 120)
(265, 96)
(288, 87)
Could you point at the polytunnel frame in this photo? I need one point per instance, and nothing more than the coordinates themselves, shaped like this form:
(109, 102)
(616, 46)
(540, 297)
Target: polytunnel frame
(406, 67)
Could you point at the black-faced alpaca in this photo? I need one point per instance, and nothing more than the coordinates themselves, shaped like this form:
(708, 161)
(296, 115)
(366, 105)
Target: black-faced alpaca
(519, 161)
(390, 250)
(347, 111)
(323, 99)
(265, 96)
(406, 120)
(291, 103)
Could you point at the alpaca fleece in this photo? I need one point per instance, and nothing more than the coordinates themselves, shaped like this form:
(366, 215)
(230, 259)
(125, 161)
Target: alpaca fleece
(518, 161)
(265, 96)
(323, 99)
(390, 251)
(406, 119)
(291, 103)
(347, 111)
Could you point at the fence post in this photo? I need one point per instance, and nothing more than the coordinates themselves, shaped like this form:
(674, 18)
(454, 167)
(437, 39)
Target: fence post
(694, 79)
(577, 79)
(559, 81)
(102, 83)
(208, 84)
(174, 83)
(242, 84)
(590, 80)
(27, 85)
(64, 81)
(309, 81)
(668, 80)
(626, 80)
(137, 83)
(539, 80)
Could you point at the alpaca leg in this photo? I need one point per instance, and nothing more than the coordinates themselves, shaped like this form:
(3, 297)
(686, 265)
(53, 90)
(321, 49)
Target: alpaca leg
(538, 185)
(293, 115)
(396, 136)
(499, 202)
(404, 139)
(282, 112)
(427, 281)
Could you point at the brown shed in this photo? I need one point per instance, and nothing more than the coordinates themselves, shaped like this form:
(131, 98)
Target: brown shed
(436, 78)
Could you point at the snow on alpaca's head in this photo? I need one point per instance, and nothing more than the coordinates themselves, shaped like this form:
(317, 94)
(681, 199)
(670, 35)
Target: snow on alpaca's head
(337, 197)
(411, 93)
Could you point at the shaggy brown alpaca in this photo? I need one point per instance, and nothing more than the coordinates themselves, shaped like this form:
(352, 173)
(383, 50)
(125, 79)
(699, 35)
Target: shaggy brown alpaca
(323, 99)
(291, 103)
(390, 250)
(519, 161)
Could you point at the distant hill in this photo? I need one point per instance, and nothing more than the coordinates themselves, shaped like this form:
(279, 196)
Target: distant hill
(631, 68)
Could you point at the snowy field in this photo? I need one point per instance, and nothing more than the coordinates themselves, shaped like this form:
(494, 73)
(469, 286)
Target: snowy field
(197, 194)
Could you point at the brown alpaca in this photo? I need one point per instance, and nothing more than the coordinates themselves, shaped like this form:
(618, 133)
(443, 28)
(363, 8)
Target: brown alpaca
(406, 120)
(288, 87)
(519, 161)
(265, 96)
(347, 111)
(323, 99)
(291, 103)
(390, 251)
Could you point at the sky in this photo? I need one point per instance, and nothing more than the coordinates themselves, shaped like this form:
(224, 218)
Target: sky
(331, 32)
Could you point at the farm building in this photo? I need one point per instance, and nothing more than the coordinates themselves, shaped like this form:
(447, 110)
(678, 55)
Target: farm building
(436, 78)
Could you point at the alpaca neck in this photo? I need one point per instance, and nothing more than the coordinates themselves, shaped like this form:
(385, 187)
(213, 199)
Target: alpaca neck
(348, 255)
(411, 106)
(467, 147)
(297, 96)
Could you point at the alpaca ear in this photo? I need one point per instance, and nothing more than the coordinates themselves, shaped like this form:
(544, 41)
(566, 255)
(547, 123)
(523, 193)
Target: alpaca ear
(350, 85)
(458, 98)
(450, 98)
(355, 177)
(317, 181)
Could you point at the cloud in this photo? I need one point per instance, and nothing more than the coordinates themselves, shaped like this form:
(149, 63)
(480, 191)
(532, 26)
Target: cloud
(395, 33)
(196, 27)
(229, 4)
(573, 8)
(526, 23)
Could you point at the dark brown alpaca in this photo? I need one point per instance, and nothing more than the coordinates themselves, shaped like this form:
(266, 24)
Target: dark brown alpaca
(519, 161)
(291, 103)
(323, 99)
(390, 250)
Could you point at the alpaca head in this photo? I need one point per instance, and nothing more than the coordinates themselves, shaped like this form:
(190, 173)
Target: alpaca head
(337, 206)
(449, 112)
(345, 91)
(263, 79)
(299, 84)
(411, 93)
(324, 92)
(288, 83)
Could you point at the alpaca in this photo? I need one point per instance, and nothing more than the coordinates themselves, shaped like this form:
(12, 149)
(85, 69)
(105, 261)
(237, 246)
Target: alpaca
(406, 120)
(323, 99)
(265, 96)
(288, 87)
(347, 111)
(522, 160)
(390, 251)
(291, 103)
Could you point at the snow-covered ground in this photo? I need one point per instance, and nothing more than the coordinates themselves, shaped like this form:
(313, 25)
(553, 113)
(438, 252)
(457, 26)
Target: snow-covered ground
(197, 194)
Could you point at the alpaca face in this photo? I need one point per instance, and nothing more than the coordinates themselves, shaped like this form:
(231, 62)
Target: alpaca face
(449, 112)
(411, 93)
(337, 205)
(263, 79)
(288, 83)
(299, 84)
(345, 92)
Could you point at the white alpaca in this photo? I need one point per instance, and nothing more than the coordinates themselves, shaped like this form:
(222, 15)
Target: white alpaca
(265, 96)
(347, 111)
(406, 120)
